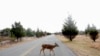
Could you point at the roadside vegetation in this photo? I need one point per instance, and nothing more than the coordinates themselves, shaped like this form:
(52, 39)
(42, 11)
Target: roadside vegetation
(17, 32)
(82, 45)
(69, 29)
(92, 32)
(85, 43)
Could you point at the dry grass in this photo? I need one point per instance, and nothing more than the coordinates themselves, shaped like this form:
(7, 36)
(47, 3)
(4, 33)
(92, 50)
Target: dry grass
(25, 39)
(82, 45)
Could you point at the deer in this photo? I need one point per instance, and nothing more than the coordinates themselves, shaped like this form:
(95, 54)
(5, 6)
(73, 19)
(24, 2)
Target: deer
(49, 47)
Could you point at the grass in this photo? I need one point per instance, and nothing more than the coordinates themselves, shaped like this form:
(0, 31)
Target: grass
(24, 40)
(82, 45)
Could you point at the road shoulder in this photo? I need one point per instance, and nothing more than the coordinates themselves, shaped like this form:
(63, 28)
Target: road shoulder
(25, 40)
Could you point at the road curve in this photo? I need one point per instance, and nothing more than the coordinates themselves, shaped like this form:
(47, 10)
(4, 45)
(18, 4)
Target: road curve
(33, 48)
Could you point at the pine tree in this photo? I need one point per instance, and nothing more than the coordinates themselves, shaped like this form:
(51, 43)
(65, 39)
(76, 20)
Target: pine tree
(93, 32)
(69, 29)
(18, 30)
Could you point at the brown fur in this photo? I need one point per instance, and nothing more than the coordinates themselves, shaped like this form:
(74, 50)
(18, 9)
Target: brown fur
(48, 46)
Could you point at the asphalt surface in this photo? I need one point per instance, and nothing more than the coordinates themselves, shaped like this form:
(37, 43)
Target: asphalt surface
(33, 48)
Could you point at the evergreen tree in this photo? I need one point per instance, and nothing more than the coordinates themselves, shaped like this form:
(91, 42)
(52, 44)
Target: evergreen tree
(93, 32)
(29, 32)
(69, 29)
(5, 32)
(18, 30)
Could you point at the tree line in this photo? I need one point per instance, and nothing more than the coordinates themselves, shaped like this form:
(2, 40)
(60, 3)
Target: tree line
(18, 31)
(70, 30)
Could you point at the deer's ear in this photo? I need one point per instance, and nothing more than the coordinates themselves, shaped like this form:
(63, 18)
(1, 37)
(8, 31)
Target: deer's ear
(55, 43)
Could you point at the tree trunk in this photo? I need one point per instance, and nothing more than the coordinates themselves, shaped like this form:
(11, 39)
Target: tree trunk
(94, 40)
(70, 38)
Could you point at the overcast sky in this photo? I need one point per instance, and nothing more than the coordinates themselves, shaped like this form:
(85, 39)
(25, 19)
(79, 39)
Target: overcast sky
(49, 15)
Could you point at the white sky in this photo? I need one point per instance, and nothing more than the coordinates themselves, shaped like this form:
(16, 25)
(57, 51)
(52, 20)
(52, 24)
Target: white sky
(49, 15)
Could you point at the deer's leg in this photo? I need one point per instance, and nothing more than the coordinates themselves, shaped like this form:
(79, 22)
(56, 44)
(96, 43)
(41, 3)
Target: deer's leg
(50, 52)
(43, 52)
(53, 52)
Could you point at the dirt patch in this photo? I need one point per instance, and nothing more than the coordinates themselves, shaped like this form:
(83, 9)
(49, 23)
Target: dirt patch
(24, 40)
(82, 45)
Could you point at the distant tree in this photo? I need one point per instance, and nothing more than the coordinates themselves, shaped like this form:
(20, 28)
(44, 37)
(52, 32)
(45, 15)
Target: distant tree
(81, 32)
(18, 30)
(5, 32)
(39, 33)
(93, 32)
(34, 33)
(58, 33)
(30, 32)
(47, 33)
(69, 29)
(87, 30)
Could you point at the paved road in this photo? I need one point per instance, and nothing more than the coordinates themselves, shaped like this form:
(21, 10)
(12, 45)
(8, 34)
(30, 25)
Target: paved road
(33, 48)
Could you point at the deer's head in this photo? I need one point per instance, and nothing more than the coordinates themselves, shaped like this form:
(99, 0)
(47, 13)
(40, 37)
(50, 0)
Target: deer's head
(56, 45)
